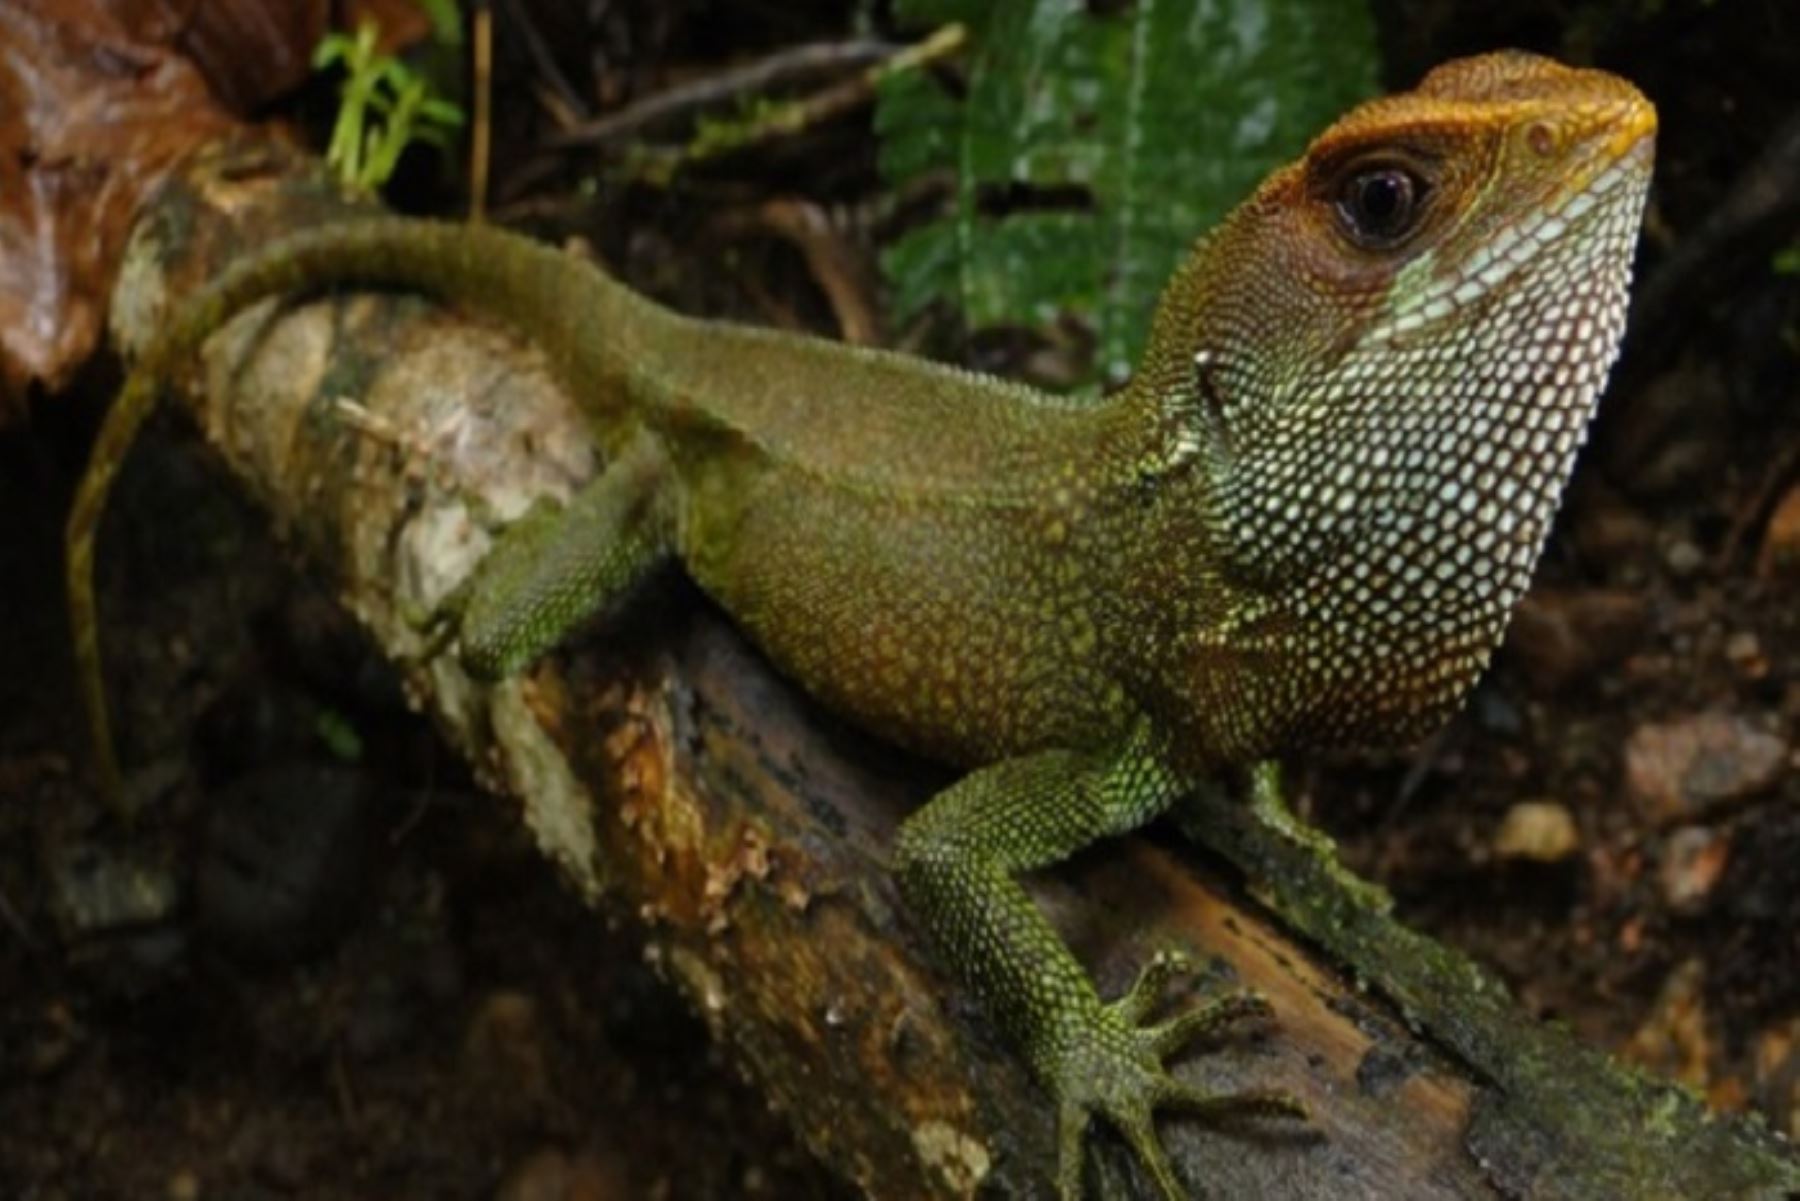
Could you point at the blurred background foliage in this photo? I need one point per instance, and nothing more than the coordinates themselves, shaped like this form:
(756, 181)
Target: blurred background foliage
(1090, 145)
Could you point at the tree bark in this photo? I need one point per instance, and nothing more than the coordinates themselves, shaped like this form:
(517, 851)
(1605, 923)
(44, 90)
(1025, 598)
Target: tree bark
(673, 778)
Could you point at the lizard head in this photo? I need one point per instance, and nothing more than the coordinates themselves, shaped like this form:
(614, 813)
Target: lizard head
(1386, 359)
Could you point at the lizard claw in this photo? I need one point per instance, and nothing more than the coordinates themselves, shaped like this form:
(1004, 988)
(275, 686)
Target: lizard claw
(1114, 1069)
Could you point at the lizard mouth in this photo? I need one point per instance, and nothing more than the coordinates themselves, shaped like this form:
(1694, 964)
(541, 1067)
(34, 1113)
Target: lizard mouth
(1636, 130)
(1614, 149)
(1621, 161)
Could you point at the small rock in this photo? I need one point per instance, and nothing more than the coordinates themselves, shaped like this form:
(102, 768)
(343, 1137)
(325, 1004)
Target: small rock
(1543, 831)
(1560, 637)
(505, 1057)
(1779, 557)
(1684, 770)
(551, 1175)
(184, 1185)
(1683, 558)
(1693, 860)
(1672, 1040)
(94, 890)
(1745, 652)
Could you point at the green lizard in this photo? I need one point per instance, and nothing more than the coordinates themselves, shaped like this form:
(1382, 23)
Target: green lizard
(1303, 524)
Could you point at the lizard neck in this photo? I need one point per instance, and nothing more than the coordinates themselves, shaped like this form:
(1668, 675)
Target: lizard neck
(1236, 664)
(1174, 632)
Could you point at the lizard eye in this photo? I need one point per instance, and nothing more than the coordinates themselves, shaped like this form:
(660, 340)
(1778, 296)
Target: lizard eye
(1379, 205)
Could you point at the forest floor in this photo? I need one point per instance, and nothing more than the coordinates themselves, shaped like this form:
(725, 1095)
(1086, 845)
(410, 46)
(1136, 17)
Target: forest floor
(359, 981)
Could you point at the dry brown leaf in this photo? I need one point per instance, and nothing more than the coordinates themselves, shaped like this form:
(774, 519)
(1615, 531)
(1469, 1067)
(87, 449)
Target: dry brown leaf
(98, 100)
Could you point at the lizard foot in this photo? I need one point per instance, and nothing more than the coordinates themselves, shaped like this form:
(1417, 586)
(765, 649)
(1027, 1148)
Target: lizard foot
(1112, 1066)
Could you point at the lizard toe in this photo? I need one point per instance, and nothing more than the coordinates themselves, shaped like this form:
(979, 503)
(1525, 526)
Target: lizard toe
(1113, 1068)
(1168, 1037)
(1161, 970)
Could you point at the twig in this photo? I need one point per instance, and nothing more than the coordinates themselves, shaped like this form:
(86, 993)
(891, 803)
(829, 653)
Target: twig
(831, 260)
(1753, 513)
(726, 85)
(544, 60)
(482, 131)
(785, 118)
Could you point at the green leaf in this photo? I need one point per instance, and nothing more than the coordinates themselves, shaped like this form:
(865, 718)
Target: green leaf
(439, 112)
(446, 20)
(1090, 149)
(386, 106)
(339, 736)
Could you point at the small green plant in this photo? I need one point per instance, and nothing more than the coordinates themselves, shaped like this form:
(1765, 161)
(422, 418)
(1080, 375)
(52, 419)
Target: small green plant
(339, 736)
(386, 107)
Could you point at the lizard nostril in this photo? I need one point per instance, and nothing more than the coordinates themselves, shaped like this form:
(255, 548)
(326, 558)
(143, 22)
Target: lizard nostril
(1541, 138)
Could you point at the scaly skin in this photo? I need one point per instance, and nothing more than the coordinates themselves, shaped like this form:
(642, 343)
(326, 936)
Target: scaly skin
(1304, 523)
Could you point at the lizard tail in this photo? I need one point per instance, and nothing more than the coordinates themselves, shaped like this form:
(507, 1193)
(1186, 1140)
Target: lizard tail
(589, 324)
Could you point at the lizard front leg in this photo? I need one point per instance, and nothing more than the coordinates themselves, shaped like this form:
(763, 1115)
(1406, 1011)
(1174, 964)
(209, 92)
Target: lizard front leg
(958, 859)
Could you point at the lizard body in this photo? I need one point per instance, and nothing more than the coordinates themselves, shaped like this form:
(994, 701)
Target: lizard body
(1303, 523)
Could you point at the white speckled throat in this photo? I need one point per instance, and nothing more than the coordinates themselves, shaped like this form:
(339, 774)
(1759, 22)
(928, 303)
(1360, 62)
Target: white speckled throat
(1395, 500)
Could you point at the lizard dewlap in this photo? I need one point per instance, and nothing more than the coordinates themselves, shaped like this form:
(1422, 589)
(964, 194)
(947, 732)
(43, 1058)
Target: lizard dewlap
(1303, 523)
